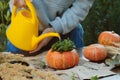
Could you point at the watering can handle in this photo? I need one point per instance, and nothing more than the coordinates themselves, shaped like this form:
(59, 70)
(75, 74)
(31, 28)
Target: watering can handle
(32, 10)
(13, 13)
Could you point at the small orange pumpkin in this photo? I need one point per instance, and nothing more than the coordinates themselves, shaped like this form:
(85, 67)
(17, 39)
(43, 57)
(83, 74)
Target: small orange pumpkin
(62, 60)
(109, 38)
(95, 52)
(62, 55)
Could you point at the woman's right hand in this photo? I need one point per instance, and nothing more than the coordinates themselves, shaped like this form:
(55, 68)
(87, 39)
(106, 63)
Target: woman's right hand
(19, 3)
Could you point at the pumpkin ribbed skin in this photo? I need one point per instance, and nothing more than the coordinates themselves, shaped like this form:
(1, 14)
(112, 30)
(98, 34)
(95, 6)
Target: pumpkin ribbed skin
(95, 52)
(108, 38)
(64, 60)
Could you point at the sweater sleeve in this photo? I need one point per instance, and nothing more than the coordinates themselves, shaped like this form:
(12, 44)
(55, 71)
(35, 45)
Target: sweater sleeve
(72, 16)
(10, 5)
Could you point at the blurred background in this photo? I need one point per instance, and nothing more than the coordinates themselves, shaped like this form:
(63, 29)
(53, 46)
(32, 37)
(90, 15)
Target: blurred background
(104, 15)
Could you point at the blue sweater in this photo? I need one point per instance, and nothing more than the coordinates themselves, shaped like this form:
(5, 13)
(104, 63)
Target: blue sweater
(63, 15)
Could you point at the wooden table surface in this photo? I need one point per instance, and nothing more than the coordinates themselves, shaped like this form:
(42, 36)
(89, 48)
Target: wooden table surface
(113, 77)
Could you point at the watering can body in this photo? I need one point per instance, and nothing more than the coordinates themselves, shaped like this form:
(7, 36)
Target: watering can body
(23, 30)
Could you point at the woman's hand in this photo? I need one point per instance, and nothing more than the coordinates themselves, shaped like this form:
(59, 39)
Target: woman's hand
(20, 3)
(45, 41)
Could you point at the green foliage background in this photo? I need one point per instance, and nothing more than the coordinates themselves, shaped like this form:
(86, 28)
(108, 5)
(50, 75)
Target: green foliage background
(104, 15)
(4, 22)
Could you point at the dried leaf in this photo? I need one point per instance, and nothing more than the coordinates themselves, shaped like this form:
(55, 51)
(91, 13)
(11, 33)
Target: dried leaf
(114, 61)
(116, 44)
(112, 50)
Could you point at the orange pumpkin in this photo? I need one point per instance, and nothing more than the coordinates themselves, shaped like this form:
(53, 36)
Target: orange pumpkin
(95, 52)
(62, 60)
(62, 55)
(109, 38)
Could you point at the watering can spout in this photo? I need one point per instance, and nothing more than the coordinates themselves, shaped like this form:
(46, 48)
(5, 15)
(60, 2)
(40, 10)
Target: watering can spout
(37, 40)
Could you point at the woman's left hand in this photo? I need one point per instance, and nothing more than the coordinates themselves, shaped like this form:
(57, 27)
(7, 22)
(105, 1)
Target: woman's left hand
(45, 41)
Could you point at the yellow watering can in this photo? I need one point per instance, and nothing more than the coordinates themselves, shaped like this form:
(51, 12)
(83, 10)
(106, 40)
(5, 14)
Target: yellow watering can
(23, 30)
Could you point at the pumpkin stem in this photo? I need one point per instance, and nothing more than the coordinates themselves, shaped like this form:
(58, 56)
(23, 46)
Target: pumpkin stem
(113, 32)
(63, 45)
